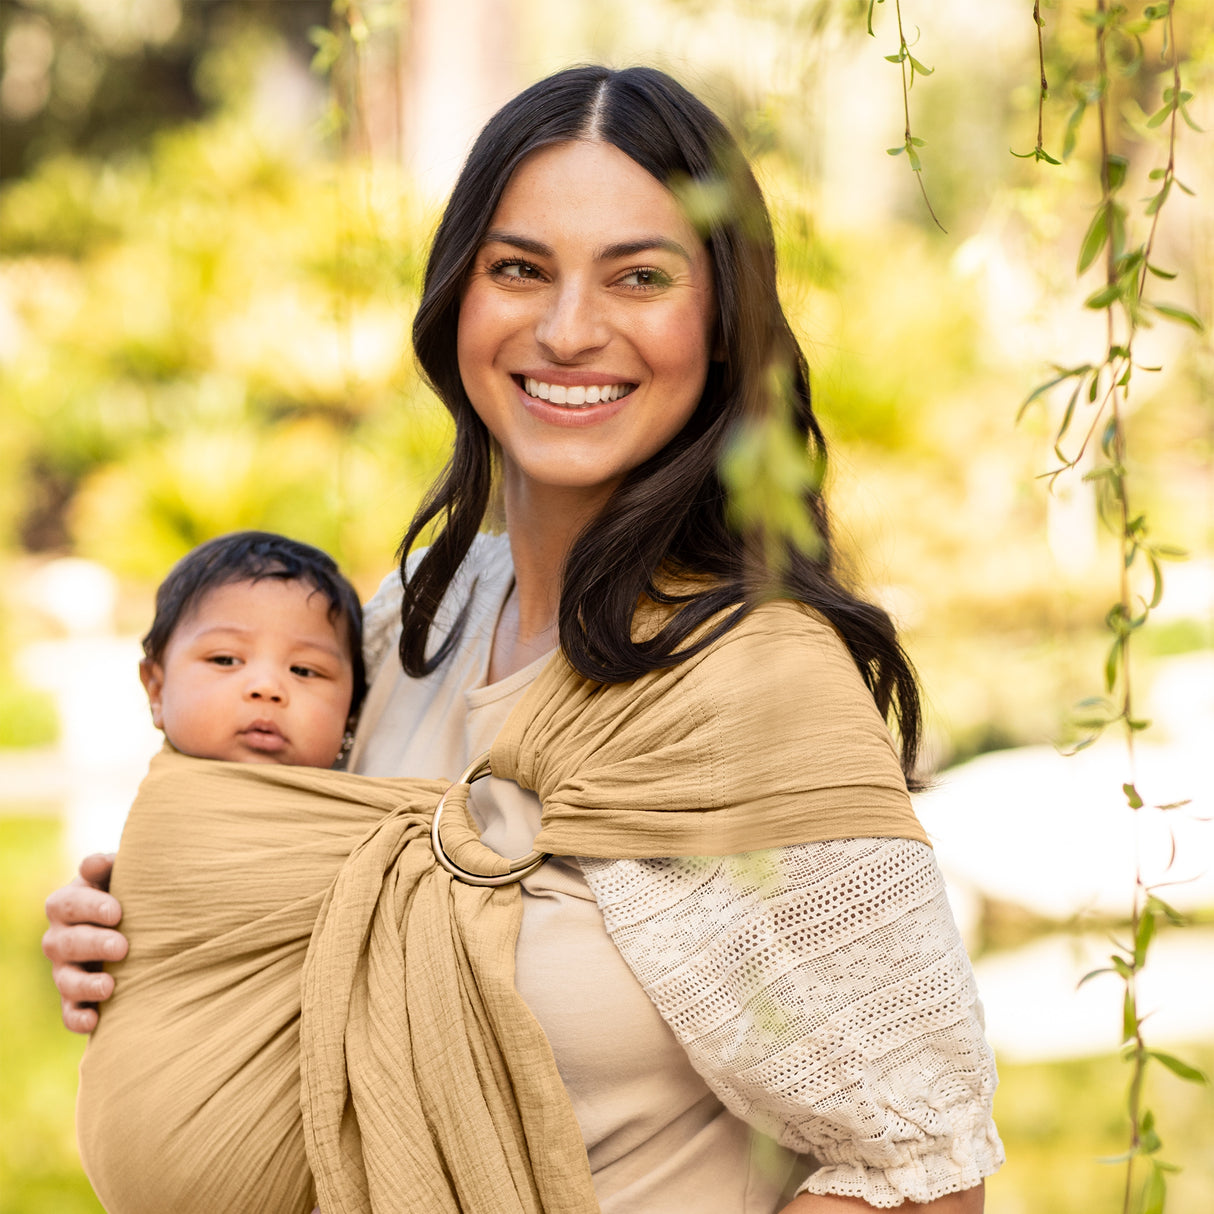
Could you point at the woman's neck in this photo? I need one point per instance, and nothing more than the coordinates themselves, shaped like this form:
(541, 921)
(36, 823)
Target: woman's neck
(542, 524)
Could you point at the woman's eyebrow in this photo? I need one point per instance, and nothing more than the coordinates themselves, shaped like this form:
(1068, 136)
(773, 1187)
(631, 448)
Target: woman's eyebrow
(535, 247)
(645, 244)
(611, 252)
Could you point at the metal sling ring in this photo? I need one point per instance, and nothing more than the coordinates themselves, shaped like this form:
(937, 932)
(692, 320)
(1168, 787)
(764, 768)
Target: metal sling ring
(519, 869)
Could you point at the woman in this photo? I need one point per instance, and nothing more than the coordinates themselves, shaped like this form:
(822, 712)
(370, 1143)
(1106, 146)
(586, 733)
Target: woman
(596, 350)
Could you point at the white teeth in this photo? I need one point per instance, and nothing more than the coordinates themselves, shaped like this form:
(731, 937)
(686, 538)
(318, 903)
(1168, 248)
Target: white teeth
(577, 396)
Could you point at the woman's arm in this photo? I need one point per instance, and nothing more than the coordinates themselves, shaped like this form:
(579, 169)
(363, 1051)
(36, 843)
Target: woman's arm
(824, 994)
(969, 1202)
(81, 936)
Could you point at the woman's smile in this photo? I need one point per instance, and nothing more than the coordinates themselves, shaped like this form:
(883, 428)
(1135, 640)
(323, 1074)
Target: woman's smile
(586, 323)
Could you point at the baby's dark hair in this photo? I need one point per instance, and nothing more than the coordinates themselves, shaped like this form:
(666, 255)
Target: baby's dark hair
(249, 556)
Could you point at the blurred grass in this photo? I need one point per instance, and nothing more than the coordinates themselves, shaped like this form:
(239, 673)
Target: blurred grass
(39, 1169)
(1057, 1120)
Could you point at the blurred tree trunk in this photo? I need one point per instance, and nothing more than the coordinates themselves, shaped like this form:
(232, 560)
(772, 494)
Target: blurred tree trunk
(459, 66)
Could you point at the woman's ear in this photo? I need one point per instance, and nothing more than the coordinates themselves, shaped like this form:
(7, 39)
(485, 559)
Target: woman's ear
(151, 675)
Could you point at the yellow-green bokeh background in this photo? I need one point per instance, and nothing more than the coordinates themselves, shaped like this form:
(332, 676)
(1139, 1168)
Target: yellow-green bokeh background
(205, 296)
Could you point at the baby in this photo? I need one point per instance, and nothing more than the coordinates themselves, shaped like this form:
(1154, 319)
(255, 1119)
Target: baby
(254, 657)
(255, 653)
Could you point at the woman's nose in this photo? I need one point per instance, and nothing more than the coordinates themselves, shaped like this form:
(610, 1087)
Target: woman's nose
(572, 325)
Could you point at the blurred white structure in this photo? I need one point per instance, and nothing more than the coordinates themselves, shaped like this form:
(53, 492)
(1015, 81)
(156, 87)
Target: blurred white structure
(106, 736)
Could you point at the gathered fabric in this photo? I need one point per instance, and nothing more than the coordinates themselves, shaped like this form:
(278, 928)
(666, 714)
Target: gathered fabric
(314, 1012)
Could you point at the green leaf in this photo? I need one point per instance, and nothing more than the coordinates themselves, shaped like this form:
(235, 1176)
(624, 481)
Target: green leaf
(896, 151)
(919, 67)
(1108, 294)
(1131, 795)
(1095, 239)
(1104, 969)
(1160, 116)
(896, 58)
(1129, 1018)
(1154, 1193)
(913, 156)
(1146, 925)
(1157, 581)
(1063, 374)
(1169, 912)
(1116, 167)
(1184, 113)
(1071, 136)
(1157, 200)
(871, 5)
(1160, 273)
(1148, 1139)
(1183, 315)
(1190, 1074)
(1111, 665)
(328, 49)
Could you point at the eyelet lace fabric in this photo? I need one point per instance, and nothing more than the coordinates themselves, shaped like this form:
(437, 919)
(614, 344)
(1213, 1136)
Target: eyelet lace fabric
(824, 994)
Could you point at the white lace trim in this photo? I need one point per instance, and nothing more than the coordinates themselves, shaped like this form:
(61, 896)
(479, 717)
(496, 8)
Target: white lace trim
(824, 994)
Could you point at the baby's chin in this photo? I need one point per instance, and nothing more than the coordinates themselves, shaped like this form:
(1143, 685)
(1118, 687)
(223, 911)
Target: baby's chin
(233, 754)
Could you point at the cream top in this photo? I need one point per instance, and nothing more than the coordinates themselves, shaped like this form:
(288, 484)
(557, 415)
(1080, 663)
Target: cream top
(887, 1082)
(658, 1139)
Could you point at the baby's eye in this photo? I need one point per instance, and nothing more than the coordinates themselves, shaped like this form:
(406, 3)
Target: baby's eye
(645, 277)
(222, 659)
(305, 672)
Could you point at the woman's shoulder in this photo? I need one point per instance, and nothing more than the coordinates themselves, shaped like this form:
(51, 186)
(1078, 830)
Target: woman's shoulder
(488, 561)
(782, 644)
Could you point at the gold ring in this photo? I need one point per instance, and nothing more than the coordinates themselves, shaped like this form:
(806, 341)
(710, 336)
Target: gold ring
(519, 869)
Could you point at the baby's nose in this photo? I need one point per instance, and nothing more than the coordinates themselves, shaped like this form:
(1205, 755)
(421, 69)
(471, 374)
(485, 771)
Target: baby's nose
(264, 685)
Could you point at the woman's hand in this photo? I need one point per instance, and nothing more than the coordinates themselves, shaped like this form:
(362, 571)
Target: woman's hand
(971, 1201)
(81, 936)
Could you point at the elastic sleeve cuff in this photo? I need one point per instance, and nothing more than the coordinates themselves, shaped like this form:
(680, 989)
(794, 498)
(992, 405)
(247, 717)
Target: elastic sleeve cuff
(953, 1167)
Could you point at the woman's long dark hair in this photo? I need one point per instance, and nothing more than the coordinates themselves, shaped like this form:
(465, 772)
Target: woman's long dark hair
(668, 516)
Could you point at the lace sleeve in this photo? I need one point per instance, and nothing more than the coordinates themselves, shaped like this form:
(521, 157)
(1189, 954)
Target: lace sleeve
(824, 994)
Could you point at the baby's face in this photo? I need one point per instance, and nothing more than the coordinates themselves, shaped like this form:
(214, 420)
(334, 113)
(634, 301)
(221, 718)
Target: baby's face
(256, 673)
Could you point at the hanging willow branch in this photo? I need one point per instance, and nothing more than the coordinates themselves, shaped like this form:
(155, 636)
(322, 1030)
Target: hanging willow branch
(1128, 271)
(910, 67)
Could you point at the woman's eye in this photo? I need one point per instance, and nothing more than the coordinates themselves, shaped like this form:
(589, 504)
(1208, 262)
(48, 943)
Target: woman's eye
(515, 268)
(645, 277)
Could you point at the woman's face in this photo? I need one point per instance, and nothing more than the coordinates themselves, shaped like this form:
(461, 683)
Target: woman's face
(586, 322)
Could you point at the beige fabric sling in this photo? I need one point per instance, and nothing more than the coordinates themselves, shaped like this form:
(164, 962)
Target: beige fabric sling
(402, 1070)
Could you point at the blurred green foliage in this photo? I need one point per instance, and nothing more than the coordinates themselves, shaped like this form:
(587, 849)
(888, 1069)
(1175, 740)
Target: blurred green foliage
(39, 1168)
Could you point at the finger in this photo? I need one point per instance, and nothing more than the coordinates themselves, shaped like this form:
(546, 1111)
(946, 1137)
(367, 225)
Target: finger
(79, 1019)
(78, 903)
(80, 987)
(74, 945)
(95, 869)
